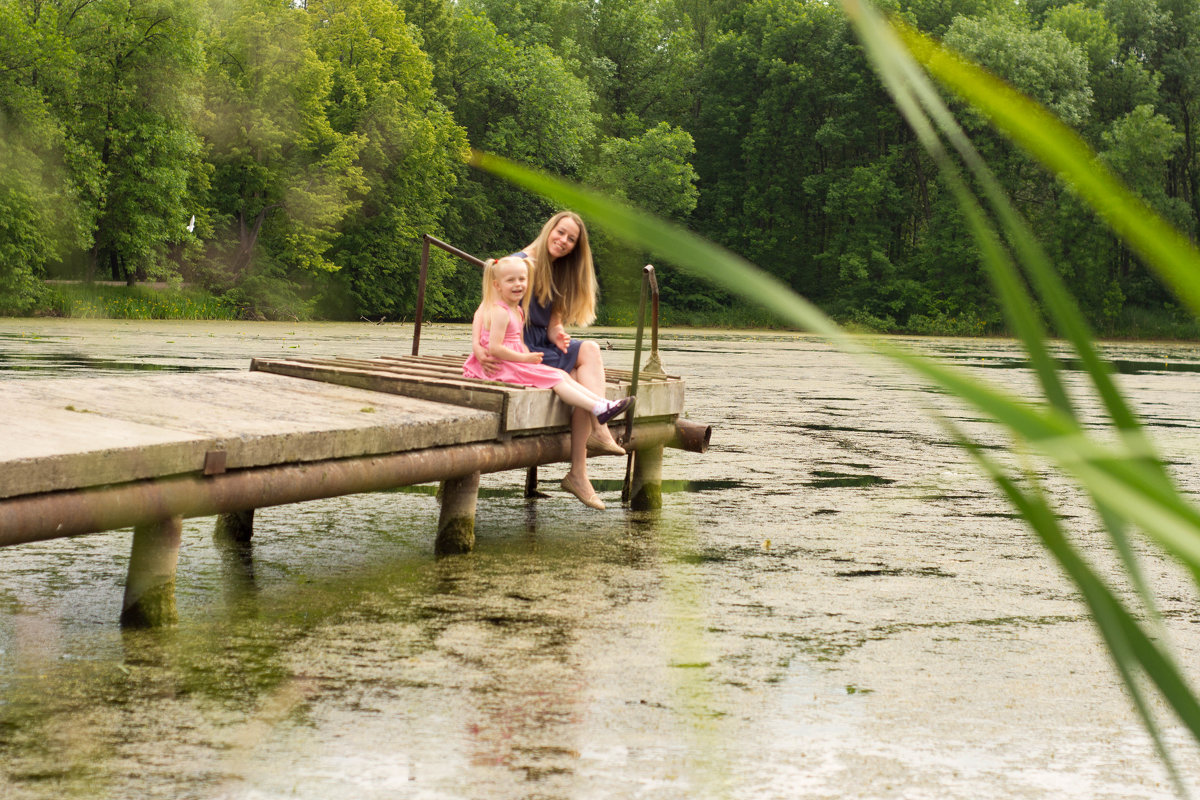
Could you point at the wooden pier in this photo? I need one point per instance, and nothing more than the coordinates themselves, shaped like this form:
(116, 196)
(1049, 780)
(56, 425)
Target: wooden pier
(84, 455)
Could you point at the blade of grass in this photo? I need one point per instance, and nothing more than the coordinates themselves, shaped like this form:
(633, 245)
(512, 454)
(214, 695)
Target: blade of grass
(903, 77)
(1167, 517)
(1127, 643)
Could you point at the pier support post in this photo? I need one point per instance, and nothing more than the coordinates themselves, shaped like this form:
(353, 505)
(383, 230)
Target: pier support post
(456, 523)
(236, 526)
(150, 586)
(645, 492)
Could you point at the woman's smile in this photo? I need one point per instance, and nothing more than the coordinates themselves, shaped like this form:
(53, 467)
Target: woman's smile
(562, 239)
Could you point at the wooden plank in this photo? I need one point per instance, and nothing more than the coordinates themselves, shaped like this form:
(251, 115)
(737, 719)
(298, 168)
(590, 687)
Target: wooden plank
(416, 370)
(472, 394)
(524, 408)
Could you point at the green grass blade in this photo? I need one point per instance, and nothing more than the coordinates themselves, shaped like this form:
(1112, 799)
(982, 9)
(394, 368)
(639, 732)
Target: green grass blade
(926, 114)
(1129, 646)
(917, 98)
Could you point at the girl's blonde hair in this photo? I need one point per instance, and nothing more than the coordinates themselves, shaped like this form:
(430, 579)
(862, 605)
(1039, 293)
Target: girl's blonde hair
(491, 273)
(568, 283)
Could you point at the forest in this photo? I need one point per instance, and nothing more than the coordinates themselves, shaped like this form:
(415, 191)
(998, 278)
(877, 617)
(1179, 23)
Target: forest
(287, 157)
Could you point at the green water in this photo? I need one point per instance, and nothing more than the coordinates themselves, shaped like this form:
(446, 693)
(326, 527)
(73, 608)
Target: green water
(830, 604)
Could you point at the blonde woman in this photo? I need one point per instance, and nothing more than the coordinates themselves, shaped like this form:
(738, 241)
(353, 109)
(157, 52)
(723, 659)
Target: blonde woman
(563, 292)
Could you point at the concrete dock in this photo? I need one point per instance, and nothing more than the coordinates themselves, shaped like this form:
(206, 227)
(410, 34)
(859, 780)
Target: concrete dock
(83, 455)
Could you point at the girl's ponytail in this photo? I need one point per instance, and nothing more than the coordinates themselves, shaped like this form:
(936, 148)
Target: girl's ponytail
(488, 293)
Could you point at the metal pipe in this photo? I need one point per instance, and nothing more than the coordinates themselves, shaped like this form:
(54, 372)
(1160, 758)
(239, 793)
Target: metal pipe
(454, 251)
(691, 436)
(420, 296)
(427, 240)
(58, 514)
(654, 364)
(647, 279)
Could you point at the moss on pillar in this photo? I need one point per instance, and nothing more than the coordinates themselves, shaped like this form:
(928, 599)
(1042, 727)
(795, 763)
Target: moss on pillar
(150, 586)
(236, 526)
(456, 522)
(645, 492)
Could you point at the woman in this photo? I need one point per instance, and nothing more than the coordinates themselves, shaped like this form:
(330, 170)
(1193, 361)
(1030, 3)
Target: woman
(563, 292)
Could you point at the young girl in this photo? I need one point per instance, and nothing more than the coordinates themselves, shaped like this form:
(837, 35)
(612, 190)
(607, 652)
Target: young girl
(496, 332)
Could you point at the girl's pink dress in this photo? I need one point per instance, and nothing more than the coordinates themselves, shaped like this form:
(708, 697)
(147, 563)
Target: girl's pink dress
(540, 376)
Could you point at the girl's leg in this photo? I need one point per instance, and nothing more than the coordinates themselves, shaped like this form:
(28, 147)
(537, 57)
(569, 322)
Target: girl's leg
(589, 371)
(576, 394)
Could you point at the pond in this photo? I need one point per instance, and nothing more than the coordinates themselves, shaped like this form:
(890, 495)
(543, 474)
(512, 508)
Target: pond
(831, 603)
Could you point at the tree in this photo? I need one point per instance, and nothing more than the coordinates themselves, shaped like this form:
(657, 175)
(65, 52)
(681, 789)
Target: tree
(42, 214)
(284, 179)
(382, 92)
(651, 171)
(521, 102)
(140, 60)
(639, 57)
(789, 119)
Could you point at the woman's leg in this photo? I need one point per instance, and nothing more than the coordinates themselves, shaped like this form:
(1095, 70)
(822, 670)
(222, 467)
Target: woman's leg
(589, 371)
(582, 401)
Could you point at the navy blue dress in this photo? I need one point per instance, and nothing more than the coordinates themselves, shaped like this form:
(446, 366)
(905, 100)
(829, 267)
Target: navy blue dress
(537, 337)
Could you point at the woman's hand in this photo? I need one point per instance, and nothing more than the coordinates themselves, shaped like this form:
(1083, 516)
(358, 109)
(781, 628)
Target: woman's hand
(490, 364)
(560, 337)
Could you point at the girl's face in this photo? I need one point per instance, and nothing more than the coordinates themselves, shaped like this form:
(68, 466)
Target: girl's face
(512, 279)
(562, 238)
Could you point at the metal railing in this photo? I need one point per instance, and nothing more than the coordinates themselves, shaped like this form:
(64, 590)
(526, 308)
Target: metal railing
(454, 251)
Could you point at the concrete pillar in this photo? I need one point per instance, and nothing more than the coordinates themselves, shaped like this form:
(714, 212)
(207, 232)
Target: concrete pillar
(236, 526)
(645, 492)
(150, 586)
(456, 523)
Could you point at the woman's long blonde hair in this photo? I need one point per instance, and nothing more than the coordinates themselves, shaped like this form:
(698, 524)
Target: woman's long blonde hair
(568, 283)
(491, 269)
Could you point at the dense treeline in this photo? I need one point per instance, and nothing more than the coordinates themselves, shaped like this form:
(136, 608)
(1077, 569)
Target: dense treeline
(288, 156)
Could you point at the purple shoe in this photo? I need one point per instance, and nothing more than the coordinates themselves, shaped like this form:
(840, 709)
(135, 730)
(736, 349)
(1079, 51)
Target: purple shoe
(616, 409)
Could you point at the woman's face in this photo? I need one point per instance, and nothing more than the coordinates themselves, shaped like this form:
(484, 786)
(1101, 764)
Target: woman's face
(562, 238)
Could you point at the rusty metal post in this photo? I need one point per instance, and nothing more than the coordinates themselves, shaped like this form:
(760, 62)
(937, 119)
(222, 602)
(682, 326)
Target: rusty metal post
(427, 240)
(654, 364)
(456, 522)
(236, 526)
(150, 586)
(531, 484)
(647, 277)
(421, 294)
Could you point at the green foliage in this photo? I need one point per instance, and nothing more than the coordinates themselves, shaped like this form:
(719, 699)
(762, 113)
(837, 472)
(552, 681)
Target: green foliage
(652, 171)
(382, 92)
(94, 301)
(315, 143)
(142, 60)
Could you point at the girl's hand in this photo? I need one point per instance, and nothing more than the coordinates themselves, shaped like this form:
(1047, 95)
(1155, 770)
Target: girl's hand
(534, 357)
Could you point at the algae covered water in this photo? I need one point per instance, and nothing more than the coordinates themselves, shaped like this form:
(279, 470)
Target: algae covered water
(831, 603)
